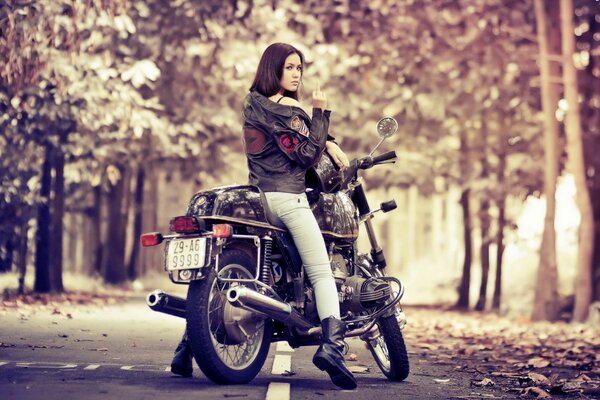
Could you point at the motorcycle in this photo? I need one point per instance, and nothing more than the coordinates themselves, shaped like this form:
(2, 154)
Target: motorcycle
(247, 288)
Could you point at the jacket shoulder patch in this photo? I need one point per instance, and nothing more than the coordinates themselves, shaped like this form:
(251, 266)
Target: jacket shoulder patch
(299, 125)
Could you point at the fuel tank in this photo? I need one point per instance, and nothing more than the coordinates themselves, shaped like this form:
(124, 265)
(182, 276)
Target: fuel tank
(336, 215)
(242, 204)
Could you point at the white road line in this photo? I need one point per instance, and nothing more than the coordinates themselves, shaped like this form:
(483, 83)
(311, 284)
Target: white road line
(127, 367)
(3, 363)
(284, 347)
(278, 391)
(282, 364)
(46, 365)
(92, 367)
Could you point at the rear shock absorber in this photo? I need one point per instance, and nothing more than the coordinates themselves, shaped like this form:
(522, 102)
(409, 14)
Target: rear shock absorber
(266, 275)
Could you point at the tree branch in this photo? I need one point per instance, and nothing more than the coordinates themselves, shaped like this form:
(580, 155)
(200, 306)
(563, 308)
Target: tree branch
(524, 35)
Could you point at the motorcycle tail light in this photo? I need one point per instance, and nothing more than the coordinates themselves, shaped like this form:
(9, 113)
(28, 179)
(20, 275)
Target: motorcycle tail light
(184, 225)
(222, 230)
(151, 239)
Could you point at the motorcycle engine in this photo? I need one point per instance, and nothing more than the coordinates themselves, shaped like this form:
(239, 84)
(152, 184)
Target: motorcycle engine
(360, 294)
(356, 293)
(339, 266)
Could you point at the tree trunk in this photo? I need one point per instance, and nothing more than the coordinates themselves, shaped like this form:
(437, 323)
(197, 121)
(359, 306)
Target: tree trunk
(42, 248)
(596, 269)
(583, 280)
(496, 300)
(151, 258)
(114, 252)
(138, 204)
(465, 283)
(484, 218)
(22, 261)
(545, 305)
(58, 207)
(5, 257)
(96, 235)
(484, 221)
(7, 262)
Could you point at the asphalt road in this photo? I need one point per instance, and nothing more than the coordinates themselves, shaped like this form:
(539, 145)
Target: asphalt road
(123, 351)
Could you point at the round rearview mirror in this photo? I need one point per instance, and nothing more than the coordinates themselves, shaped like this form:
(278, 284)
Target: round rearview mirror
(386, 127)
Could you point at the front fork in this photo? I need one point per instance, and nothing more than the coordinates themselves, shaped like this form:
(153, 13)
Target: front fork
(360, 199)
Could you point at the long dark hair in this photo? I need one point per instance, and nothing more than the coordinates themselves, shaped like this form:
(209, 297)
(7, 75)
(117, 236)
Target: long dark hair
(267, 80)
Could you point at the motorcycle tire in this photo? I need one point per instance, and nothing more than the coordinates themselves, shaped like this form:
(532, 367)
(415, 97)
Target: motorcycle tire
(389, 350)
(221, 362)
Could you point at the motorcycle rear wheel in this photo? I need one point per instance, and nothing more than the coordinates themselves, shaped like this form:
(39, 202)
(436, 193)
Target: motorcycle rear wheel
(220, 359)
(389, 350)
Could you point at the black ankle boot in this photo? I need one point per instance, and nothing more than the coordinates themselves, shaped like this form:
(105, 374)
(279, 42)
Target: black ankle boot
(182, 361)
(329, 357)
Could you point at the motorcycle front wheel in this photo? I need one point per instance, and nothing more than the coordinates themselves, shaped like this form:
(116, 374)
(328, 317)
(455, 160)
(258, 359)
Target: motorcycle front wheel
(389, 350)
(226, 355)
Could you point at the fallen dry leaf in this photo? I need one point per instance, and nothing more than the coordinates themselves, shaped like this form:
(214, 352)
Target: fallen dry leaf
(469, 351)
(351, 357)
(358, 369)
(483, 382)
(571, 387)
(538, 362)
(583, 378)
(538, 392)
(539, 379)
(532, 390)
(505, 374)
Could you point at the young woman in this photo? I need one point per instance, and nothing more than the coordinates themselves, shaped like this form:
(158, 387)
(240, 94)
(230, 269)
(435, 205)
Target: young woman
(282, 141)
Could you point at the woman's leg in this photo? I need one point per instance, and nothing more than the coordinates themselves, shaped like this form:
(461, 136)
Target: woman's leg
(295, 213)
(182, 360)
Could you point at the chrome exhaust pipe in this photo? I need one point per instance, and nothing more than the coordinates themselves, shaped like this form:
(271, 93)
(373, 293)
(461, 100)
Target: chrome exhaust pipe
(166, 303)
(251, 300)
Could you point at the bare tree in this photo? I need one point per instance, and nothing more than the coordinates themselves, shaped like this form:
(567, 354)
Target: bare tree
(545, 305)
(583, 281)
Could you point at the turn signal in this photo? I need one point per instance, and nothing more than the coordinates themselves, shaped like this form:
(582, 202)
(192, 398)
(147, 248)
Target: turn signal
(222, 230)
(151, 239)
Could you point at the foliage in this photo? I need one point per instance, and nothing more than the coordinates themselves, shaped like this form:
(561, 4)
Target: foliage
(144, 81)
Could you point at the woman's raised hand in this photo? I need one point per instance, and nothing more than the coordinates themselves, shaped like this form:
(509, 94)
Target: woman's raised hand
(318, 99)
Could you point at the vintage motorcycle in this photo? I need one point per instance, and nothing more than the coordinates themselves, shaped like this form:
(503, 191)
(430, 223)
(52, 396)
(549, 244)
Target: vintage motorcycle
(247, 288)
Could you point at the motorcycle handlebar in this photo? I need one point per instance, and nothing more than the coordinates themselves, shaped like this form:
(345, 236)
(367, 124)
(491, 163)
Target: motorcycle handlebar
(368, 162)
(384, 157)
(365, 163)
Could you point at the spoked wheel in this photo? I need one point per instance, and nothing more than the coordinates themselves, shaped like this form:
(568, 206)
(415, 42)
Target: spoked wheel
(229, 344)
(389, 350)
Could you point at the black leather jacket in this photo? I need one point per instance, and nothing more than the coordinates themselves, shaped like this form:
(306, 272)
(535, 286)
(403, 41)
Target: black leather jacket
(281, 143)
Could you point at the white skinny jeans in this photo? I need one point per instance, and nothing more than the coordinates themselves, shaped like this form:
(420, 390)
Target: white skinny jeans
(294, 212)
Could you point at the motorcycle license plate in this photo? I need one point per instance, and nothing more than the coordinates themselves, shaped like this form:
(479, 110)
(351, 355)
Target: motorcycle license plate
(186, 254)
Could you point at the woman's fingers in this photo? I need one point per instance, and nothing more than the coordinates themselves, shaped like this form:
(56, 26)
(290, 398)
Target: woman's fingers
(319, 99)
(338, 155)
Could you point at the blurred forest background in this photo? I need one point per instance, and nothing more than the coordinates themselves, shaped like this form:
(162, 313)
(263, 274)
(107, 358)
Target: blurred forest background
(114, 112)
